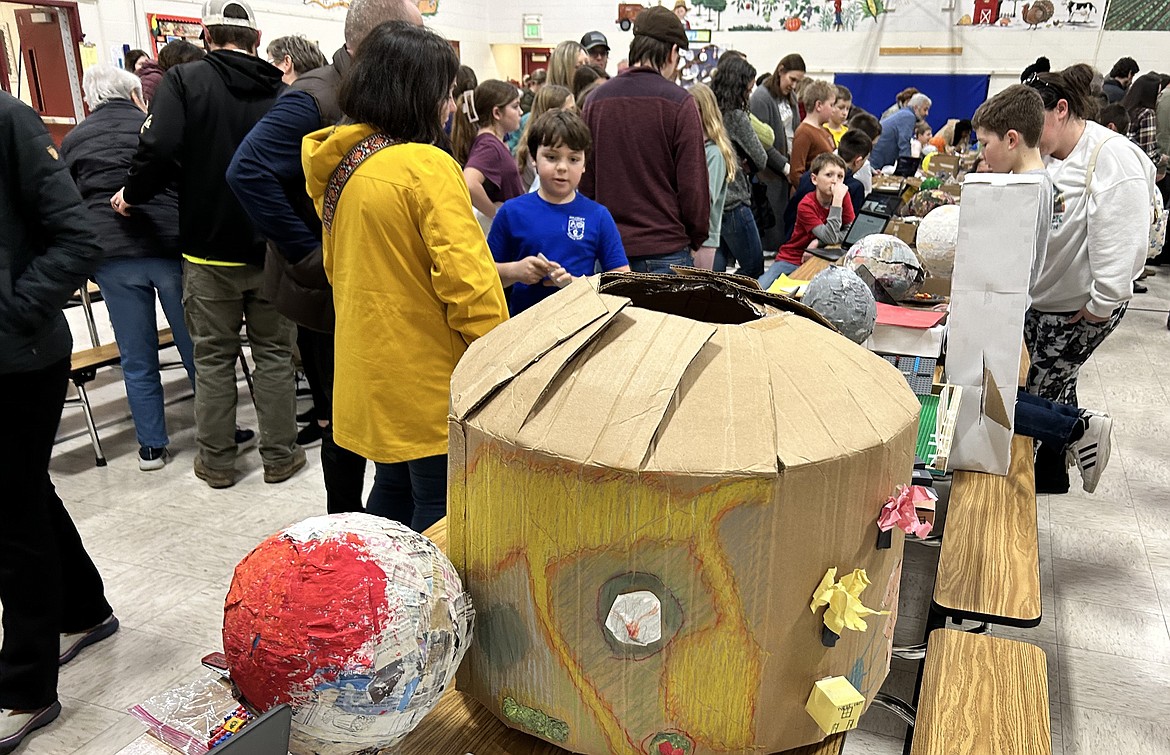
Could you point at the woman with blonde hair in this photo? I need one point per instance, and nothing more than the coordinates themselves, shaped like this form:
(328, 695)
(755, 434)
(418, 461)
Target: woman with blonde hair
(720, 168)
(550, 97)
(564, 62)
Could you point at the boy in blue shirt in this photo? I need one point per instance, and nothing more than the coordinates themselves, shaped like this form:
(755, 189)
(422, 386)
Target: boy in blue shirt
(543, 240)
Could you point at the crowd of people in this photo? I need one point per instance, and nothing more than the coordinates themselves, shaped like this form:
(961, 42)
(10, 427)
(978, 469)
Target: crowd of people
(381, 209)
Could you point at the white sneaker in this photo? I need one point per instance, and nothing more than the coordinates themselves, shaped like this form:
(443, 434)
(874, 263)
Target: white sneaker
(1091, 450)
(14, 727)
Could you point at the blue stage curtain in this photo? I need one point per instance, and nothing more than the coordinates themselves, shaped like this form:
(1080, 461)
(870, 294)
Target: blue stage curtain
(952, 95)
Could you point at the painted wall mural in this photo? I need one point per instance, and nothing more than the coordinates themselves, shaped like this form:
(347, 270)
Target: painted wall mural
(1138, 15)
(907, 15)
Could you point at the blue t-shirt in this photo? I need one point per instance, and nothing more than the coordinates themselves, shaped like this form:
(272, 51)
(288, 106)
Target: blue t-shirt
(576, 236)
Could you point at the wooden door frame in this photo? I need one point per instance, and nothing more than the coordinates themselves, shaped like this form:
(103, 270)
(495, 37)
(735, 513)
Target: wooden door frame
(69, 7)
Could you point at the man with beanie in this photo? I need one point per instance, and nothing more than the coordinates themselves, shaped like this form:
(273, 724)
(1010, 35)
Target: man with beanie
(653, 177)
(201, 112)
(268, 179)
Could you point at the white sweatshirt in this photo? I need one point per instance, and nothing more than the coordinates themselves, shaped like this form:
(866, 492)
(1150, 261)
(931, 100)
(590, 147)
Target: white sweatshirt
(1099, 243)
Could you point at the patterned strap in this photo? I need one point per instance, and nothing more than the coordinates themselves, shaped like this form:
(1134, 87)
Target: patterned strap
(372, 144)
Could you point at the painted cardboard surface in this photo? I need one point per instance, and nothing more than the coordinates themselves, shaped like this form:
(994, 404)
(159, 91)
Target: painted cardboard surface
(719, 467)
(989, 296)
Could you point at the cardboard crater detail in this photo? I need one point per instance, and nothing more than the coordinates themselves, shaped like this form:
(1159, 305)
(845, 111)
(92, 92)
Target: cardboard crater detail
(355, 620)
(649, 477)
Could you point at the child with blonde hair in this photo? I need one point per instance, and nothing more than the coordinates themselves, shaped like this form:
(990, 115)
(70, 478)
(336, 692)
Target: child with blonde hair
(720, 168)
(811, 137)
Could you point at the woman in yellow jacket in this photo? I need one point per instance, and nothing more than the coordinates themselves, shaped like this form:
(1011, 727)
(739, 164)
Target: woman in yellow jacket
(413, 278)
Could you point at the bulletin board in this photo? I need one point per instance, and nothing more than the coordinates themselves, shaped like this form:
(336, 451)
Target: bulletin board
(164, 29)
(951, 95)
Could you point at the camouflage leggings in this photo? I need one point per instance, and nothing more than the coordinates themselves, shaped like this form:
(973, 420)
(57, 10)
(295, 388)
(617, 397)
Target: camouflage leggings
(1058, 349)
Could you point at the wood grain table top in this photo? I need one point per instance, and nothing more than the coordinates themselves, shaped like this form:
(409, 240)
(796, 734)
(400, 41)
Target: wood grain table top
(982, 695)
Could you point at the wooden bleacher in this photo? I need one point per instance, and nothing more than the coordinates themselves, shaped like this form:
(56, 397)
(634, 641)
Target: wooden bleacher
(460, 725)
(982, 694)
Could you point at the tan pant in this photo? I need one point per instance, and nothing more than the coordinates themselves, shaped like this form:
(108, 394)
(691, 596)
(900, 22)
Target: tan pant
(216, 302)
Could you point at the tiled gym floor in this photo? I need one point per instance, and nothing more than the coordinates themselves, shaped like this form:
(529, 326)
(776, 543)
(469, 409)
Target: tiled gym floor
(166, 545)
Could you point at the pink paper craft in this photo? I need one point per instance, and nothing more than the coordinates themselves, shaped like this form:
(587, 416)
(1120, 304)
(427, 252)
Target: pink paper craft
(899, 511)
(923, 319)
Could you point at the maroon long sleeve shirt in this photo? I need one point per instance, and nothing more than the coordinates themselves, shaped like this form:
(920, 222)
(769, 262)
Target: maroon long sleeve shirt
(648, 165)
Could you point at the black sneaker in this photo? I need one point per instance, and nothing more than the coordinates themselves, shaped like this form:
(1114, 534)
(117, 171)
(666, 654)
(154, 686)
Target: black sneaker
(151, 459)
(245, 439)
(308, 415)
(72, 644)
(310, 434)
(1138, 288)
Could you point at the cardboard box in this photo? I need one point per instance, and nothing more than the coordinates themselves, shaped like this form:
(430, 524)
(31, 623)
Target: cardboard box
(904, 229)
(954, 189)
(835, 705)
(943, 165)
(989, 295)
(647, 483)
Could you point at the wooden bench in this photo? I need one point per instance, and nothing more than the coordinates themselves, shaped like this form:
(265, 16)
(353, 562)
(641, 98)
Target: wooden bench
(989, 563)
(982, 694)
(460, 725)
(83, 367)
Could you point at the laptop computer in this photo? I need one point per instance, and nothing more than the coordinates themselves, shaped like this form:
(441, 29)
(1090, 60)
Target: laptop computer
(865, 224)
(907, 166)
(881, 204)
(267, 735)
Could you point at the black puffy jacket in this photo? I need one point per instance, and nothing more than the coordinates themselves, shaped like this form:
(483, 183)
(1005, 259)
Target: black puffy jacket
(98, 152)
(199, 115)
(47, 247)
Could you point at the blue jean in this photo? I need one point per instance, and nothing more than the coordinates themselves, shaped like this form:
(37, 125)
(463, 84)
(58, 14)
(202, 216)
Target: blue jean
(1046, 421)
(412, 492)
(129, 287)
(660, 263)
(778, 268)
(739, 238)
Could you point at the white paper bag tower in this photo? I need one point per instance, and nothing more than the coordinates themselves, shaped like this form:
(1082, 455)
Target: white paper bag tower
(646, 487)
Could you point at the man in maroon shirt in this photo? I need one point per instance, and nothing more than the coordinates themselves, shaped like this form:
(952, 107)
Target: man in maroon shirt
(648, 165)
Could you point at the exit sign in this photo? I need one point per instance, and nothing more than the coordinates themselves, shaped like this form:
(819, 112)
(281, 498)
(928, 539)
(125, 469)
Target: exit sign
(532, 27)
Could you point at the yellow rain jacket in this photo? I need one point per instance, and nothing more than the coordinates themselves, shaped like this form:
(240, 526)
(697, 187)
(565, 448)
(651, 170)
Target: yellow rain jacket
(413, 284)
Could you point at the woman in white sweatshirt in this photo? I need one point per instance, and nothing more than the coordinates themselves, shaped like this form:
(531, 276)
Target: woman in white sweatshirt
(1103, 186)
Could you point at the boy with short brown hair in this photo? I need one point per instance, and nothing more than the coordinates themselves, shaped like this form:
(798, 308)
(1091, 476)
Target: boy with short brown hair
(822, 217)
(811, 137)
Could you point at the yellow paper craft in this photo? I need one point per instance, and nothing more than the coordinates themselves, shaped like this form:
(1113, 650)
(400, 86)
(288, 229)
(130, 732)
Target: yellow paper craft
(787, 286)
(842, 600)
(835, 704)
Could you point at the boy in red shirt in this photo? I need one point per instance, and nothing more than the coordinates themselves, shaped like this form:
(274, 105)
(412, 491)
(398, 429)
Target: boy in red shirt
(822, 217)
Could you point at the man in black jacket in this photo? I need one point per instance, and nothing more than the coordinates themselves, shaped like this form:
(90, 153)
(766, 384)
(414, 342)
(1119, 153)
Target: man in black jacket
(200, 113)
(53, 597)
(267, 177)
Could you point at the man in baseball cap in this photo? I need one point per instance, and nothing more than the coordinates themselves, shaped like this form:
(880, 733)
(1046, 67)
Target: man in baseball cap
(652, 178)
(597, 47)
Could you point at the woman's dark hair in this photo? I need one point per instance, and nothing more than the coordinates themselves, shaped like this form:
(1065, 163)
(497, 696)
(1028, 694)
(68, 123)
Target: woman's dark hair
(793, 62)
(586, 76)
(400, 78)
(649, 51)
(131, 59)
(1073, 85)
(1123, 67)
(1142, 94)
(962, 133)
(465, 80)
(178, 52)
(731, 82)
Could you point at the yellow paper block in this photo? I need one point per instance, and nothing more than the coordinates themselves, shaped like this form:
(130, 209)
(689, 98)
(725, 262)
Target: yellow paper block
(835, 705)
(786, 285)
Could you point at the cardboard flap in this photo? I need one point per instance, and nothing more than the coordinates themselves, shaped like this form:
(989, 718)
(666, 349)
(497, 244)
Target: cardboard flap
(608, 404)
(993, 407)
(490, 363)
(512, 404)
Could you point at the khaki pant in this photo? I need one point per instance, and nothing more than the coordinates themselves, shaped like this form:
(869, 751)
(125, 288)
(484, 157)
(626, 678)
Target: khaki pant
(216, 301)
